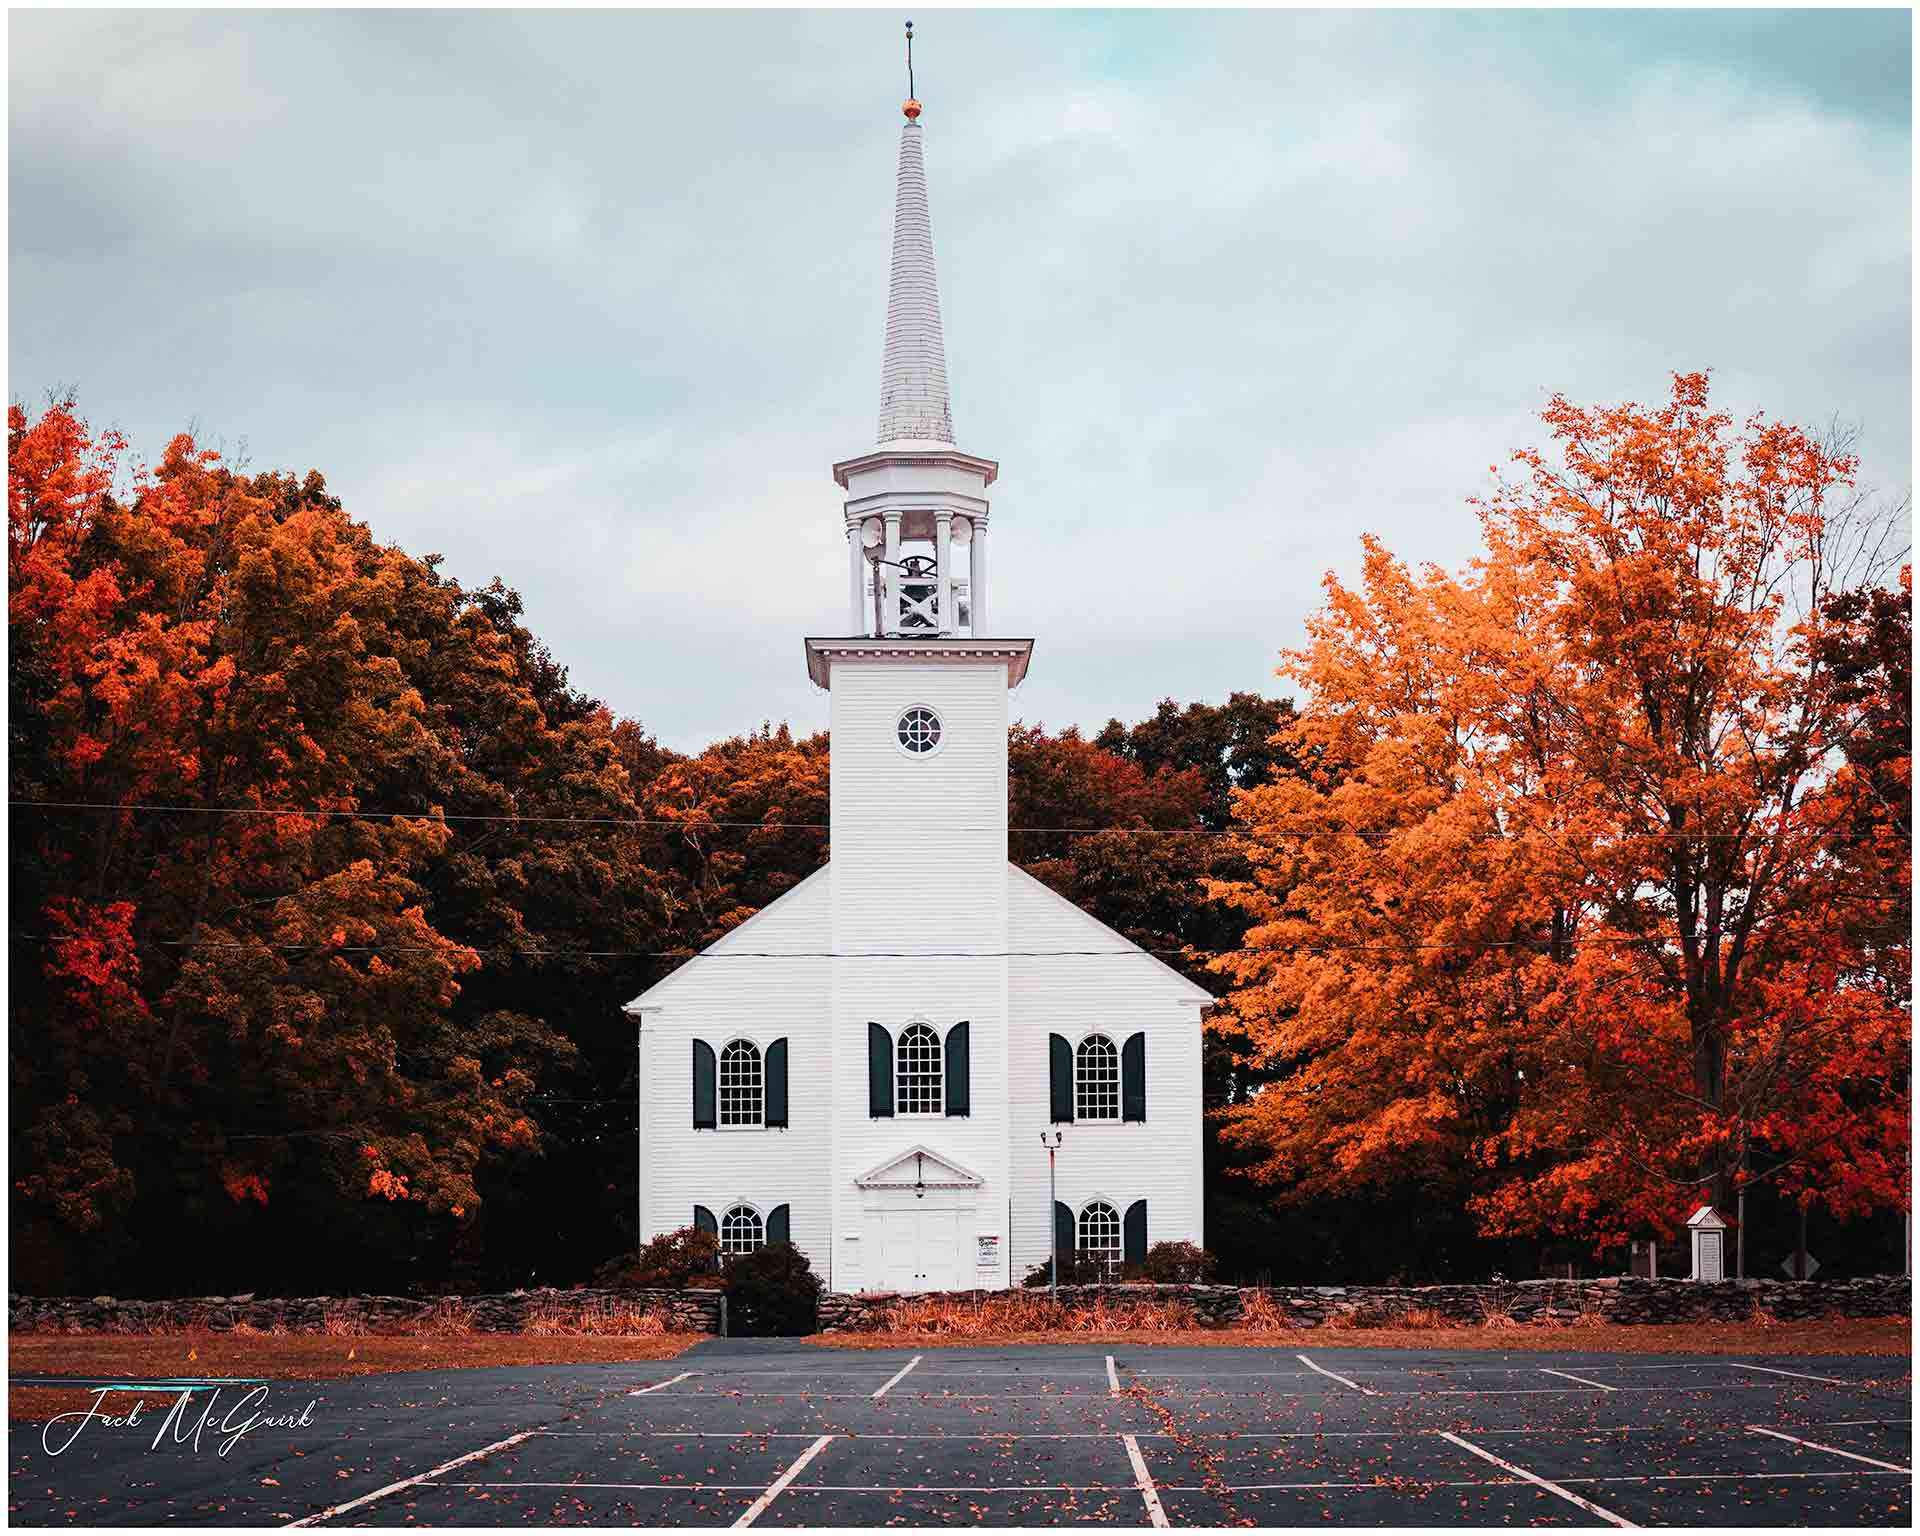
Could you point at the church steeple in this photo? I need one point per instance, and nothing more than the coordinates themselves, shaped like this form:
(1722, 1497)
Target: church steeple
(916, 511)
(913, 367)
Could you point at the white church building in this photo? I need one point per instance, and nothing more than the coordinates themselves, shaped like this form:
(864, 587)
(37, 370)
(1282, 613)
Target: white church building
(866, 1067)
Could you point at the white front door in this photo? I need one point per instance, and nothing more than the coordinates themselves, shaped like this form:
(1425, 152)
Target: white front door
(919, 1244)
(899, 1268)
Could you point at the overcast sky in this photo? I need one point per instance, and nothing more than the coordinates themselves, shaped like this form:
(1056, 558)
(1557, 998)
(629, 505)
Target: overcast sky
(592, 301)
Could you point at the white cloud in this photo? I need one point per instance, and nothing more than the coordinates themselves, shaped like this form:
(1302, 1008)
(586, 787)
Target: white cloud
(593, 301)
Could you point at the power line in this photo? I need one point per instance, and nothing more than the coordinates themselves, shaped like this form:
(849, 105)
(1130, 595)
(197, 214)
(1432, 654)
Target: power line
(702, 825)
(1192, 953)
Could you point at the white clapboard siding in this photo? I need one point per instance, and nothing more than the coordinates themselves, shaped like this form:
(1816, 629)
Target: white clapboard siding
(1158, 1160)
(919, 855)
(718, 997)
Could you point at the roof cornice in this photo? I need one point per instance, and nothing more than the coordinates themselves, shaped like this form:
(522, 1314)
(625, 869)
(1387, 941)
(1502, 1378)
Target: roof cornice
(920, 455)
(823, 653)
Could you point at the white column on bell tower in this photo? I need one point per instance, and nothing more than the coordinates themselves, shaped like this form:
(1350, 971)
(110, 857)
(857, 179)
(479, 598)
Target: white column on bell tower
(890, 614)
(977, 575)
(856, 584)
(943, 560)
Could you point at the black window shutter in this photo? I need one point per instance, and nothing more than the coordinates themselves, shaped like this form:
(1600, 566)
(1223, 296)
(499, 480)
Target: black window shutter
(776, 1111)
(1063, 1237)
(879, 1072)
(780, 1223)
(959, 1083)
(1133, 1078)
(703, 1112)
(1060, 1073)
(704, 1222)
(1136, 1233)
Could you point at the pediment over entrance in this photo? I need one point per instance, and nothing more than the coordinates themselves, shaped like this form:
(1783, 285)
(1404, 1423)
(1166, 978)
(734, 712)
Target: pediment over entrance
(918, 1167)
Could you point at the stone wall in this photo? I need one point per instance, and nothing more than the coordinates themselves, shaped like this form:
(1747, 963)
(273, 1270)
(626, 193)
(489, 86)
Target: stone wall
(1619, 1300)
(1215, 1306)
(505, 1312)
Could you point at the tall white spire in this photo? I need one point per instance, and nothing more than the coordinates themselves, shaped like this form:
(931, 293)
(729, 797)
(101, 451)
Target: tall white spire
(916, 511)
(913, 368)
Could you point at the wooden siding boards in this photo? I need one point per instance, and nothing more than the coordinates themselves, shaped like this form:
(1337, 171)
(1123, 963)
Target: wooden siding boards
(1158, 1159)
(716, 1000)
(920, 927)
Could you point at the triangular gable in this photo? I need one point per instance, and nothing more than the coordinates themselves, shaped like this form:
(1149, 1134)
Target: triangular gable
(796, 922)
(1021, 885)
(799, 922)
(915, 1167)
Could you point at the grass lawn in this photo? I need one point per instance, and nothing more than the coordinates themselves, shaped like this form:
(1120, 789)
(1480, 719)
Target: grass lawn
(291, 1357)
(1825, 1336)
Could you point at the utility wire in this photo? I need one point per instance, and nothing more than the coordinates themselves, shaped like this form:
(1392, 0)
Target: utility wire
(701, 825)
(865, 954)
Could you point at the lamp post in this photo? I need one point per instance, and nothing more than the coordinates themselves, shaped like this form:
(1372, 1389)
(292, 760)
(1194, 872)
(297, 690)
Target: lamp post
(1051, 1141)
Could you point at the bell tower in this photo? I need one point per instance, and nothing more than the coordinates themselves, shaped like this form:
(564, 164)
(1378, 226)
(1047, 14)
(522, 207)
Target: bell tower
(918, 960)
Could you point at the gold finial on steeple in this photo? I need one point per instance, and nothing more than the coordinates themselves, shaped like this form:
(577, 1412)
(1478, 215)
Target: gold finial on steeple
(910, 106)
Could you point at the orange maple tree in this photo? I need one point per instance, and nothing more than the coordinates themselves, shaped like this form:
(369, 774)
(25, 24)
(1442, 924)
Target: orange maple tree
(1578, 914)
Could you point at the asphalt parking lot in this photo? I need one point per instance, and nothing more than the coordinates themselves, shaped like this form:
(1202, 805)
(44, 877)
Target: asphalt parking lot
(782, 1433)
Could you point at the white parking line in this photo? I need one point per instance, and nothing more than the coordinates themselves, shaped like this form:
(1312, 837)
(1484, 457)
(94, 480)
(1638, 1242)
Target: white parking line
(1369, 1485)
(1831, 1450)
(759, 1506)
(1149, 1495)
(799, 1394)
(690, 1486)
(895, 1377)
(1728, 1477)
(1087, 1394)
(1518, 1471)
(411, 1482)
(1113, 1378)
(1852, 1423)
(1774, 1370)
(1139, 1434)
(1326, 1373)
(1547, 1370)
(659, 1385)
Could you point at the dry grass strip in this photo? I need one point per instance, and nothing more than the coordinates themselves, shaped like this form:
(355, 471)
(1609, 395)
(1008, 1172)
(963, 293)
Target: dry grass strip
(1826, 1336)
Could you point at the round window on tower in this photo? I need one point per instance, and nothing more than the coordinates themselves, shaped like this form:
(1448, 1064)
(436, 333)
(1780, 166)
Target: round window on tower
(919, 730)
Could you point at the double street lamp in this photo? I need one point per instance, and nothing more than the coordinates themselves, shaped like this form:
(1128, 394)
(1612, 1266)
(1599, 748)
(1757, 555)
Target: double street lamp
(1051, 1141)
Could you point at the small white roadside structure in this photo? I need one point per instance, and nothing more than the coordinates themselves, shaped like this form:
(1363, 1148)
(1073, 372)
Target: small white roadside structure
(1709, 1234)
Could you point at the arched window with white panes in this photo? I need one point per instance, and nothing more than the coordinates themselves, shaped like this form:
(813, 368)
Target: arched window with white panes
(1099, 1235)
(1096, 1079)
(742, 1085)
(742, 1231)
(919, 1086)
